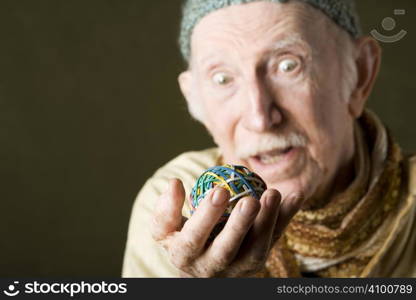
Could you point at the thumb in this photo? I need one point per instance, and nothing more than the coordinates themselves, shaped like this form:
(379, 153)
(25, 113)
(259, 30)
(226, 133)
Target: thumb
(168, 211)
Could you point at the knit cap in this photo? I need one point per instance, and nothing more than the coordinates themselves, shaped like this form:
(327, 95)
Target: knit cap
(342, 12)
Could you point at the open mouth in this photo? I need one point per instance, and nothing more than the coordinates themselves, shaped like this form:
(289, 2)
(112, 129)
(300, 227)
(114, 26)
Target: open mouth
(274, 156)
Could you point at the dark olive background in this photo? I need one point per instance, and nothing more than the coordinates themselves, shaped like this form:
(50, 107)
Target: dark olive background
(89, 108)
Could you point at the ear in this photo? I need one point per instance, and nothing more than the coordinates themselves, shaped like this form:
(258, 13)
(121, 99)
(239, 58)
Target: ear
(184, 80)
(185, 84)
(368, 59)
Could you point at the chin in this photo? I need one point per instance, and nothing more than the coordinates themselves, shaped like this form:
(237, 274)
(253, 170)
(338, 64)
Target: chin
(294, 188)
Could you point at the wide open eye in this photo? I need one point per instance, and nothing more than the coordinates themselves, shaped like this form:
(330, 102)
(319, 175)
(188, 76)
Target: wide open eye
(288, 65)
(222, 78)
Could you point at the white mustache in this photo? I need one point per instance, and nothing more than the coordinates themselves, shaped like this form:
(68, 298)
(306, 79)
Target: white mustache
(269, 142)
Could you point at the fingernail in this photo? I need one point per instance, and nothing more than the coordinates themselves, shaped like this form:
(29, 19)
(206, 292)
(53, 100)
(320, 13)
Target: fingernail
(271, 201)
(219, 197)
(246, 209)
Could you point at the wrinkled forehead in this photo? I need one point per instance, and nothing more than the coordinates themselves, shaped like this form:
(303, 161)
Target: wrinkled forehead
(259, 26)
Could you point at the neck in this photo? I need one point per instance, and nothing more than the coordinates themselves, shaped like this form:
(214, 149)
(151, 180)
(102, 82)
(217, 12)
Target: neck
(343, 179)
(339, 182)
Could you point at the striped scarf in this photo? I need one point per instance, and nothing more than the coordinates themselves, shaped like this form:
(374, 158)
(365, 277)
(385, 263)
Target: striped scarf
(339, 238)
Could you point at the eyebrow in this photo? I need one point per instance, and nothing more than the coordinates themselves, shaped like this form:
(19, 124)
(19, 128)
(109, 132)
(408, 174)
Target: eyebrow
(207, 60)
(288, 42)
(284, 43)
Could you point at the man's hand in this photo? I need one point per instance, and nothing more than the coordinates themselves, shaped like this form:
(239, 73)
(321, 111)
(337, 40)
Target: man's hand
(239, 250)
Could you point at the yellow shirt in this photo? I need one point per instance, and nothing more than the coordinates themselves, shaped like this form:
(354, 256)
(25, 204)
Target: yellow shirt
(145, 258)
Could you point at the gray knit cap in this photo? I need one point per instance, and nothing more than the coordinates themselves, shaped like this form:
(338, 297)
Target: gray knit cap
(342, 12)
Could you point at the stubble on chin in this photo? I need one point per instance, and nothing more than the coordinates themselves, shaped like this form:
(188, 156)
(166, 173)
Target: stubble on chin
(302, 187)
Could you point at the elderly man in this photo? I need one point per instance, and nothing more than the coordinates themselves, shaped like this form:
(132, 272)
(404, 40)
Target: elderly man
(281, 86)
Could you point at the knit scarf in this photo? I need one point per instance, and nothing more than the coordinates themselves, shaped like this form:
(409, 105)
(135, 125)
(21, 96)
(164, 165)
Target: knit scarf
(339, 238)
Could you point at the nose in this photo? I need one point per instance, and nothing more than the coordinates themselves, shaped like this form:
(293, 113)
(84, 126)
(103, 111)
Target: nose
(261, 111)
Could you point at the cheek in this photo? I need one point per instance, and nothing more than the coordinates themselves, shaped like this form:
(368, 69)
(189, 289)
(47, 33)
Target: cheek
(314, 116)
(221, 123)
(221, 116)
(329, 131)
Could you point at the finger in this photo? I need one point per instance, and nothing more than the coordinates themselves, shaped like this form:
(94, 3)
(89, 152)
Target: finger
(288, 209)
(197, 229)
(168, 211)
(266, 220)
(256, 245)
(226, 245)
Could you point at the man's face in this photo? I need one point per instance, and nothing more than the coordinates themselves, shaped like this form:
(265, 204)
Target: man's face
(268, 79)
